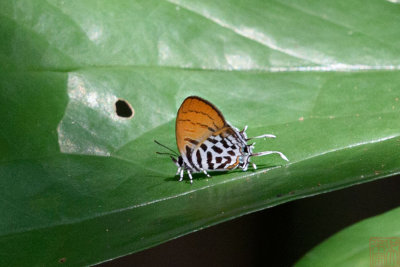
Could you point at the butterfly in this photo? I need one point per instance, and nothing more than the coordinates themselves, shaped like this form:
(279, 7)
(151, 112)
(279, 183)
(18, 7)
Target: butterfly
(207, 142)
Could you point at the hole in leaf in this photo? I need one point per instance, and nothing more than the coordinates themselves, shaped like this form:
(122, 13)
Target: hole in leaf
(62, 260)
(123, 109)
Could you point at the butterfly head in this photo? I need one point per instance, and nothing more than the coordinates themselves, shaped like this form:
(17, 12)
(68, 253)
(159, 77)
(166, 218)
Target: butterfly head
(244, 158)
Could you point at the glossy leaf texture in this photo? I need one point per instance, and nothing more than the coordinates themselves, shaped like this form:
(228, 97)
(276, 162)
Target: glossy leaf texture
(372, 242)
(80, 185)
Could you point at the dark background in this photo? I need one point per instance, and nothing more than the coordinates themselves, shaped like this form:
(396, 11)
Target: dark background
(277, 236)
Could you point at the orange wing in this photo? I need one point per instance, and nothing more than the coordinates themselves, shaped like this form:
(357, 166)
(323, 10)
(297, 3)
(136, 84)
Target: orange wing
(197, 120)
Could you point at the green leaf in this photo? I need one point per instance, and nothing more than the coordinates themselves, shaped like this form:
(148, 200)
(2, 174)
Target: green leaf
(357, 245)
(82, 185)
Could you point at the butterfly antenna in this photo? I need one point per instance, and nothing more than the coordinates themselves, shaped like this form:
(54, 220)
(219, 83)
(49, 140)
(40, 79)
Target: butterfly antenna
(174, 153)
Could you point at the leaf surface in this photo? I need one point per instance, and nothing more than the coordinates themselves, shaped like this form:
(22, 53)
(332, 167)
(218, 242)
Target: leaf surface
(82, 185)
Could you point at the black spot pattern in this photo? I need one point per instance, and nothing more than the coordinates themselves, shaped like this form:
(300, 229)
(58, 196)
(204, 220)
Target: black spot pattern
(198, 156)
(189, 157)
(230, 152)
(216, 152)
(217, 149)
(194, 142)
(212, 140)
(227, 161)
(209, 159)
(204, 147)
(224, 143)
(222, 166)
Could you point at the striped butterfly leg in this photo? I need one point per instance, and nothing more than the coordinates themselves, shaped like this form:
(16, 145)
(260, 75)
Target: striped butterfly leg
(254, 166)
(178, 171)
(181, 172)
(190, 176)
(181, 169)
(204, 171)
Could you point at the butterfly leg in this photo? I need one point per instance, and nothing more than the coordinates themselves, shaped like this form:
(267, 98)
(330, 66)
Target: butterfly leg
(204, 171)
(190, 176)
(178, 171)
(181, 176)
